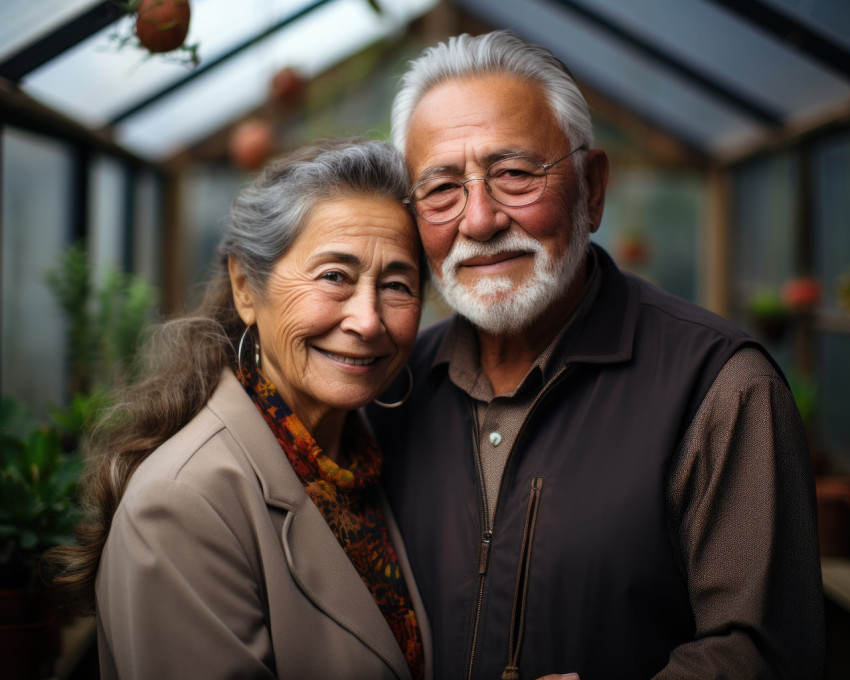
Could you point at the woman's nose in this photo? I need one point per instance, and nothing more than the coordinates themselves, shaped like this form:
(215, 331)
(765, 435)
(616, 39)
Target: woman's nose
(363, 314)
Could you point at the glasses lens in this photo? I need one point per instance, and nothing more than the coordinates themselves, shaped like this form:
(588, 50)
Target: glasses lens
(516, 181)
(439, 199)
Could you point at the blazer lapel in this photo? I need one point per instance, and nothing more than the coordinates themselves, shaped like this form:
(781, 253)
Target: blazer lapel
(316, 560)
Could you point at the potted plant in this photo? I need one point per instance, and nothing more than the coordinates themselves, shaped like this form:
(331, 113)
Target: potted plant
(769, 314)
(38, 482)
(801, 294)
(39, 463)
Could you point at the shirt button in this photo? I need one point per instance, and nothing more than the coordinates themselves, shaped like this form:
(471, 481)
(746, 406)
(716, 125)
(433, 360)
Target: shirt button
(495, 438)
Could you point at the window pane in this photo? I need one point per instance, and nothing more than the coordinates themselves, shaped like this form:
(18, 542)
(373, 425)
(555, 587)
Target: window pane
(36, 201)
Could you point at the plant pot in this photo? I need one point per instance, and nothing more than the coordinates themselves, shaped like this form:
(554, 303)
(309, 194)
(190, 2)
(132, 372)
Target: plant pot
(833, 494)
(29, 635)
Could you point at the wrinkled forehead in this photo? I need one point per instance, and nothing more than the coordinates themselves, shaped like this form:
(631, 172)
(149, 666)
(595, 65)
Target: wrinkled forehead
(464, 124)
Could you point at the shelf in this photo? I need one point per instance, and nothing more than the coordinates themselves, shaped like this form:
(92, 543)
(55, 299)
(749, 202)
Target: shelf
(836, 579)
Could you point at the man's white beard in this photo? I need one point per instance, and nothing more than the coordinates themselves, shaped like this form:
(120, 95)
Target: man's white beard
(498, 305)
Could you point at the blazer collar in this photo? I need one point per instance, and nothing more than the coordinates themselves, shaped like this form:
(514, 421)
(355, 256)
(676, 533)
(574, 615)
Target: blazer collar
(317, 562)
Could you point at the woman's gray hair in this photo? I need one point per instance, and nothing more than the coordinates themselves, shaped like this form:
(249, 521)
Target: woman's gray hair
(499, 52)
(269, 214)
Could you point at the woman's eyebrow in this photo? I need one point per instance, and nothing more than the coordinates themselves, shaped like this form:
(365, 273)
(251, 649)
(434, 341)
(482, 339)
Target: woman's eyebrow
(349, 258)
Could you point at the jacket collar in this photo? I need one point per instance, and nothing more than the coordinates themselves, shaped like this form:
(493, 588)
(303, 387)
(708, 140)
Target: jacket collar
(316, 560)
(608, 329)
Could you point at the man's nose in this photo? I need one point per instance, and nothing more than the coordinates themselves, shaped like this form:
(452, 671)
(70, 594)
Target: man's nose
(483, 216)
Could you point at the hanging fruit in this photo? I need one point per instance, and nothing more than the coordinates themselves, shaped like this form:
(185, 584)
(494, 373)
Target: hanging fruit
(251, 144)
(286, 88)
(162, 25)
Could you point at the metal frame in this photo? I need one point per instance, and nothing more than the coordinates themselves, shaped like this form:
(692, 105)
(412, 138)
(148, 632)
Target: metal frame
(792, 32)
(696, 77)
(58, 41)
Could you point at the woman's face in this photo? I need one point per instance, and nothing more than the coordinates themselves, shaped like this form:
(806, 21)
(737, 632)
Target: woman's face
(340, 311)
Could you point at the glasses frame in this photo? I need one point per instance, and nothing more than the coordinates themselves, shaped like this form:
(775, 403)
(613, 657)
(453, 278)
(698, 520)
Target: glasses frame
(410, 202)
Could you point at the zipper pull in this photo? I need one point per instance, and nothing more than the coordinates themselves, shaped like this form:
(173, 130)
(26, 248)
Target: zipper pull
(484, 552)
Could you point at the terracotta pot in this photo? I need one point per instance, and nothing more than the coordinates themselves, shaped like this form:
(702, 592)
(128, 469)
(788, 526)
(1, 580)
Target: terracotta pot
(833, 494)
(29, 635)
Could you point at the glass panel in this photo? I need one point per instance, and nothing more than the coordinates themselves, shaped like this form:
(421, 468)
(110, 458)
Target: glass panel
(831, 175)
(147, 242)
(763, 214)
(96, 80)
(106, 227)
(734, 51)
(834, 395)
(829, 16)
(36, 201)
(651, 223)
(623, 74)
(831, 167)
(24, 21)
(208, 193)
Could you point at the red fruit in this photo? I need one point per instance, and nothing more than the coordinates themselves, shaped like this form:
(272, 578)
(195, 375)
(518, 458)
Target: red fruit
(287, 85)
(162, 25)
(250, 144)
(802, 293)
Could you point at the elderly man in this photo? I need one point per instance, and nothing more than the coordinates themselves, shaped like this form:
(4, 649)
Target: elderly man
(590, 474)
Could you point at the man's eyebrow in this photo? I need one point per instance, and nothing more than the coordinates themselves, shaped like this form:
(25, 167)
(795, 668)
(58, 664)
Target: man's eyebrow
(457, 171)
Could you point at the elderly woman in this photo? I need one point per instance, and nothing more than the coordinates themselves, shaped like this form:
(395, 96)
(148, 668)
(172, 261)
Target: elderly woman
(239, 529)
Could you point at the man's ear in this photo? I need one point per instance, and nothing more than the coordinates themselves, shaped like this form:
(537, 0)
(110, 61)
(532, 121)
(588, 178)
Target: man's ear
(596, 176)
(243, 296)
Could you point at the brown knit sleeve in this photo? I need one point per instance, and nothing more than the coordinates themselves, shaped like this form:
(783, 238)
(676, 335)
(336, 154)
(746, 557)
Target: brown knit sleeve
(742, 519)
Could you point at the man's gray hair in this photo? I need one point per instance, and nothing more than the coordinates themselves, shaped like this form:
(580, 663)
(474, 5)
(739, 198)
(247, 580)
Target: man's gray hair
(269, 214)
(499, 52)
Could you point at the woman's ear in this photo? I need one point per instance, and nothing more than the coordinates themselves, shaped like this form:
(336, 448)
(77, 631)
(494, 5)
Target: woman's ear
(243, 296)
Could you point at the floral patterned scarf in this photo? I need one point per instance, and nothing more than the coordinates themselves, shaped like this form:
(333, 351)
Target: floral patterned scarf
(348, 500)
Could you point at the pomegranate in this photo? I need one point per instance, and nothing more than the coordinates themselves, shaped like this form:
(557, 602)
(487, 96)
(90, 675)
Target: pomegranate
(162, 25)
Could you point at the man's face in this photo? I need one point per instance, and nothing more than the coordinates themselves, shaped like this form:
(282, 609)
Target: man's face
(499, 266)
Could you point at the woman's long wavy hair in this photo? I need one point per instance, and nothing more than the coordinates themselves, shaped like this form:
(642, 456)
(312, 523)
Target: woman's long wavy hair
(182, 359)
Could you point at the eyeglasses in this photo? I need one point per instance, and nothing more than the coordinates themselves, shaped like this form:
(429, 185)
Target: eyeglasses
(514, 182)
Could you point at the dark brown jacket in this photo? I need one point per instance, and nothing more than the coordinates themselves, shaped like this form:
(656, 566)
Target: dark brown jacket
(578, 572)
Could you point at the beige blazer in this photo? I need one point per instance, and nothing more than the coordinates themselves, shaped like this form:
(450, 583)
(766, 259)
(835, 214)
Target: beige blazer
(218, 565)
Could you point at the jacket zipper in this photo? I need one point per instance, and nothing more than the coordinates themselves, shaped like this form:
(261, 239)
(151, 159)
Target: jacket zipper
(487, 533)
(511, 671)
(484, 545)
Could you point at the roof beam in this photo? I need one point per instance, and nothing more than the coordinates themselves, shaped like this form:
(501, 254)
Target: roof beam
(701, 79)
(792, 32)
(213, 63)
(61, 39)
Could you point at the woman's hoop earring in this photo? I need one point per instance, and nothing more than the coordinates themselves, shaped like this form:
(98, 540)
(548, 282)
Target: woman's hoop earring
(396, 404)
(256, 345)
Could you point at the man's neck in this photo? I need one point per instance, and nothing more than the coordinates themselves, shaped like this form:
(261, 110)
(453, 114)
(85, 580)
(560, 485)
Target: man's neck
(505, 359)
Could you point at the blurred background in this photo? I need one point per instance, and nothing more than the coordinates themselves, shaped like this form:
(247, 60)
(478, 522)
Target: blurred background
(727, 123)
